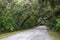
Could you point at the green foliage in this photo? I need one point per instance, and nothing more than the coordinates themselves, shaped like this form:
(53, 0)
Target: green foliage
(27, 14)
(57, 26)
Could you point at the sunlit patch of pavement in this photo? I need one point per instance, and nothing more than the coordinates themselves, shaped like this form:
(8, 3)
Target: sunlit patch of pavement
(38, 33)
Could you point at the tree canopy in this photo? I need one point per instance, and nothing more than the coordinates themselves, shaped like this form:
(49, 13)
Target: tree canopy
(23, 14)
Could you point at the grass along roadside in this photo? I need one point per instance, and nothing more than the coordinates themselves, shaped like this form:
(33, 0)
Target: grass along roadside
(4, 35)
(54, 35)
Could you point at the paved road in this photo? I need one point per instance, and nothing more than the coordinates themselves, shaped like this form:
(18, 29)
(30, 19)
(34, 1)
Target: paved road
(38, 33)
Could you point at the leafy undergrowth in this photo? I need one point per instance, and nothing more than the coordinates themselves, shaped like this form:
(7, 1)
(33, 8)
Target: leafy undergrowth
(54, 35)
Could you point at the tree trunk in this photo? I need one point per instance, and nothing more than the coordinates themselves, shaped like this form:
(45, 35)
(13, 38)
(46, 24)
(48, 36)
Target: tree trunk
(25, 20)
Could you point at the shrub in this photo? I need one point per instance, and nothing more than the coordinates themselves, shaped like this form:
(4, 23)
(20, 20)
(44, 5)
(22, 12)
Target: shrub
(57, 26)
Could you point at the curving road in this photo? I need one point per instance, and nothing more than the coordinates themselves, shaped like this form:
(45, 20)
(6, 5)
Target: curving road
(38, 33)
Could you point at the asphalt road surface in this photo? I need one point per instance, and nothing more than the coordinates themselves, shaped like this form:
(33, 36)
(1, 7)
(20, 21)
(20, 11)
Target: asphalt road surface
(38, 33)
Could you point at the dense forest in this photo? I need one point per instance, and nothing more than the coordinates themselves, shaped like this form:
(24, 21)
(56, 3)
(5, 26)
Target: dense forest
(23, 14)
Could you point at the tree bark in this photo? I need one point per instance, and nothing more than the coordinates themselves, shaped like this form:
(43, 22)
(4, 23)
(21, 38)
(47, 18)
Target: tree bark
(25, 20)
